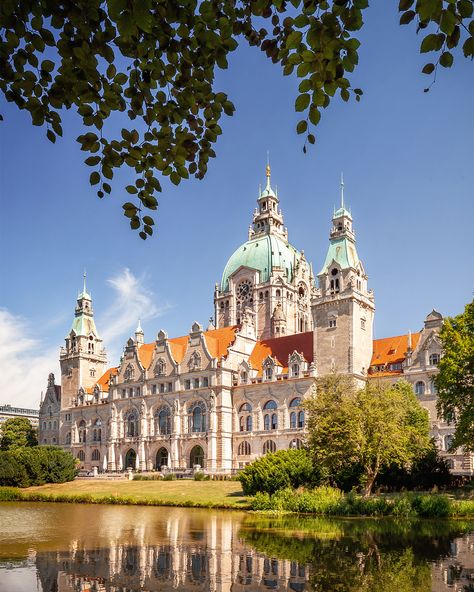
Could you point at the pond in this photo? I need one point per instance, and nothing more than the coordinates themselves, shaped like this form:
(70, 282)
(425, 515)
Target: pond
(71, 547)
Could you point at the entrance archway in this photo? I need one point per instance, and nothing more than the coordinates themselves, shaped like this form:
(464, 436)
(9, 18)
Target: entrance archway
(162, 458)
(130, 459)
(196, 457)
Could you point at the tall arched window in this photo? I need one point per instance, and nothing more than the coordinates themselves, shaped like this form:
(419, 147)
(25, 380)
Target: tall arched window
(163, 421)
(197, 417)
(448, 441)
(244, 449)
(95, 454)
(269, 446)
(160, 367)
(82, 431)
(420, 388)
(97, 431)
(270, 420)
(245, 417)
(81, 455)
(296, 443)
(68, 438)
(129, 372)
(131, 423)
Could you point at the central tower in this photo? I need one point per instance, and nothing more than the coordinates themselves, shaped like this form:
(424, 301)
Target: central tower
(266, 277)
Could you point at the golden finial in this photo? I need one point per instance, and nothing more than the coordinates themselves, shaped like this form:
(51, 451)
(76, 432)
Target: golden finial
(268, 170)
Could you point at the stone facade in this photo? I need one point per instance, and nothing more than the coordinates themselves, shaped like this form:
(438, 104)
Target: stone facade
(221, 397)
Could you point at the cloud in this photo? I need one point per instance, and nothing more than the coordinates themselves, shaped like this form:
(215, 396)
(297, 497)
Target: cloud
(24, 362)
(133, 301)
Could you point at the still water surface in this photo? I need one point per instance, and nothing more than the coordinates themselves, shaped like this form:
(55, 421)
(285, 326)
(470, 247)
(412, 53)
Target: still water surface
(72, 548)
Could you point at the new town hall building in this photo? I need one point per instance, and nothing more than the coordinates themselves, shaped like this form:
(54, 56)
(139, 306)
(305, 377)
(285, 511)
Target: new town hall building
(222, 396)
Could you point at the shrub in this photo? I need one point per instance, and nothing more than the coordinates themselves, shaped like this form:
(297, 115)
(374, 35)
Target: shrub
(278, 470)
(432, 506)
(36, 465)
(169, 477)
(200, 476)
(11, 471)
(154, 477)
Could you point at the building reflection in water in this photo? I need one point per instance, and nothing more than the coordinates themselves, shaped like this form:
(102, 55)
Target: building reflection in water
(203, 556)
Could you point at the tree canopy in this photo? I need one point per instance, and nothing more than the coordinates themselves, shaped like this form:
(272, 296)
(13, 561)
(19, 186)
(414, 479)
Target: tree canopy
(17, 432)
(455, 380)
(154, 61)
(372, 428)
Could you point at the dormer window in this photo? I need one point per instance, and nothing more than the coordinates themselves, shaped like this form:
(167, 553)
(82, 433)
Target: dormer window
(243, 377)
(434, 359)
(268, 373)
(295, 370)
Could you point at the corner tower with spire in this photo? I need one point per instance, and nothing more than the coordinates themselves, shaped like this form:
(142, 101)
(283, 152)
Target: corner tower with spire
(83, 359)
(343, 308)
(266, 278)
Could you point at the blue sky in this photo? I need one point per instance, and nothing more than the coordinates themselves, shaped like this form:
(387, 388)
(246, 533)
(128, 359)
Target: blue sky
(407, 158)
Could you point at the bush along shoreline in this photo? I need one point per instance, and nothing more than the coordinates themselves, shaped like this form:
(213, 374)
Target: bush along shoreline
(328, 501)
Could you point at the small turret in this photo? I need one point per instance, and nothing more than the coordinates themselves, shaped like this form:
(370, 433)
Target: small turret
(139, 334)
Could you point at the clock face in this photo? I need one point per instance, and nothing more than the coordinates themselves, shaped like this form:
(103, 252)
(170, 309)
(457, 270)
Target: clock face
(244, 290)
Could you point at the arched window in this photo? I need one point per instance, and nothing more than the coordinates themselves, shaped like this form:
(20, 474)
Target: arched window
(197, 417)
(44, 425)
(270, 420)
(269, 446)
(243, 377)
(244, 449)
(131, 423)
(245, 417)
(163, 421)
(448, 441)
(434, 359)
(81, 455)
(95, 454)
(160, 367)
(195, 361)
(97, 432)
(296, 443)
(196, 457)
(68, 438)
(55, 425)
(268, 372)
(293, 420)
(129, 372)
(296, 402)
(162, 458)
(50, 413)
(131, 459)
(295, 370)
(301, 419)
(82, 431)
(420, 388)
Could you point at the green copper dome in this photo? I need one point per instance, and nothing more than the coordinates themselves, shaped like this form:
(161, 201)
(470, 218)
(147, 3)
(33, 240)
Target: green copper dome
(262, 253)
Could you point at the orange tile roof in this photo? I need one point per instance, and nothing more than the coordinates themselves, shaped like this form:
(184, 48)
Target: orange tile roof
(218, 342)
(280, 348)
(104, 380)
(392, 349)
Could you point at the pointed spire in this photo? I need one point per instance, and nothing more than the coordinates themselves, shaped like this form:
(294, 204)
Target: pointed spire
(139, 327)
(85, 276)
(342, 190)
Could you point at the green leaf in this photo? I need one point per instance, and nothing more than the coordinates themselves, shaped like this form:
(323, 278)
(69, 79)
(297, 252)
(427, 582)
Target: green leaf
(446, 59)
(134, 223)
(428, 68)
(302, 102)
(448, 22)
(148, 220)
(429, 43)
(92, 160)
(94, 178)
(51, 136)
(302, 126)
(311, 138)
(314, 115)
(131, 189)
(404, 5)
(47, 65)
(407, 17)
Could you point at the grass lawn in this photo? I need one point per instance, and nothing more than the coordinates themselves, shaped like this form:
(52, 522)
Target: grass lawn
(224, 494)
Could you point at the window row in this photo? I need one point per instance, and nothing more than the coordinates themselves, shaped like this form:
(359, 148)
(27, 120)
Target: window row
(270, 420)
(245, 448)
(50, 425)
(420, 387)
(196, 383)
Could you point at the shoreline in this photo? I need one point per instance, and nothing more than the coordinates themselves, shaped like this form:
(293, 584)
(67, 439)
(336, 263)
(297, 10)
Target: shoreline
(458, 509)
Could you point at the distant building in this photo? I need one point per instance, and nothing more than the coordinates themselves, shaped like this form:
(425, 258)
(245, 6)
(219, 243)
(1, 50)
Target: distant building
(7, 412)
(220, 398)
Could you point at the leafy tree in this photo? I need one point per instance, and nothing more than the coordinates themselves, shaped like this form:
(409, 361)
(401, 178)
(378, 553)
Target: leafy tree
(36, 465)
(455, 380)
(373, 427)
(12, 472)
(155, 62)
(17, 432)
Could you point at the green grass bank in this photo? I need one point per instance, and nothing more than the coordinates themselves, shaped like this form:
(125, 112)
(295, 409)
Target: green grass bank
(322, 501)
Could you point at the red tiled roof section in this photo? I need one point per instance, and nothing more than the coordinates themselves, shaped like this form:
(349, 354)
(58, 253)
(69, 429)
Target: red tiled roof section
(218, 342)
(103, 381)
(282, 347)
(392, 349)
